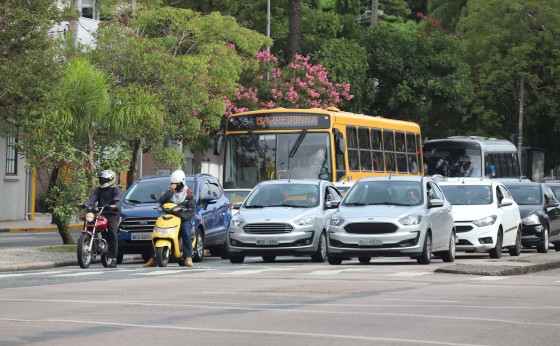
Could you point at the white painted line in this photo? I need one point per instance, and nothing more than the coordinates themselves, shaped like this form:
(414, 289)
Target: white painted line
(84, 273)
(409, 274)
(491, 278)
(325, 272)
(159, 272)
(11, 275)
(245, 272)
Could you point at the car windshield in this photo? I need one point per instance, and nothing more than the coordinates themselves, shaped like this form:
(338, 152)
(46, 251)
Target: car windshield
(284, 195)
(525, 194)
(468, 194)
(392, 192)
(141, 191)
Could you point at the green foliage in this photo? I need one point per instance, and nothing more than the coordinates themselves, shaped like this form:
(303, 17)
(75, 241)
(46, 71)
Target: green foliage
(169, 157)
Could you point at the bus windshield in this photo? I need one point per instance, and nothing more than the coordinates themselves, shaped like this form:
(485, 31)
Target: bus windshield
(453, 162)
(253, 157)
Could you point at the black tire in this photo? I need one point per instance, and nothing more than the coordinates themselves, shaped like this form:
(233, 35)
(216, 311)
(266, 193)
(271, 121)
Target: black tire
(496, 252)
(269, 258)
(236, 258)
(145, 257)
(449, 255)
(105, 260)
(364, 259)
(198, 247)
(214, 251)
(162, 256)
(334, 260)
(321, 254)
(426, 255)
(557, 246)
(224, 253)
(543, 246)
(120, 257)
(516, 249)
(84, 255)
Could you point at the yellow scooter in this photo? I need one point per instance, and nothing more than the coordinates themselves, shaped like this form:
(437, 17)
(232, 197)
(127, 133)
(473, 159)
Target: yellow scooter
(166, 239)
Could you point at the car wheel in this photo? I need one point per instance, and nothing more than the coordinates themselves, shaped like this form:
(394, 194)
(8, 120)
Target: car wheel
(449, 255)
(198, 248)
(268, 258)
(496, 252)
(364, 259)
(557, 246)
(516, 249)
(334, 260)
(543, 246)
(426, 256)
(145, 257)
(120, 257)
(321, 254)
(224, 253)
(236, 258)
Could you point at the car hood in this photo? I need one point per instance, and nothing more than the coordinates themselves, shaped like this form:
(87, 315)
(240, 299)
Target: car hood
(275, 214)
(389, 213)
(140, 210)
(526, 210)
(471, 212)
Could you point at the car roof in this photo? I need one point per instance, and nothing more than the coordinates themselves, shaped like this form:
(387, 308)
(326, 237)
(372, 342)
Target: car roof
(398, 178)
(294, 181)
(469, 181)
(226, 190)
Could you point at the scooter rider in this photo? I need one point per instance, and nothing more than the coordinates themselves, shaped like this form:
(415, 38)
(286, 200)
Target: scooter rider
(107, 192)
(178, 193)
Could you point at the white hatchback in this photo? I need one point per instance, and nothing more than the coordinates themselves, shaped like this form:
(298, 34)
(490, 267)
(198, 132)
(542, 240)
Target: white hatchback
(486, 217)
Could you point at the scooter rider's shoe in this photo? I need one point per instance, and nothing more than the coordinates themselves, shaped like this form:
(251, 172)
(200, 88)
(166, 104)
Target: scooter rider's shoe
(151, 263)
(188, 262)
(113, 263)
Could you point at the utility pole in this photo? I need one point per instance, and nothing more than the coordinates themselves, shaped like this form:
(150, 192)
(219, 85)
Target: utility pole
(520, 130)
(374, 12)
(76, 23)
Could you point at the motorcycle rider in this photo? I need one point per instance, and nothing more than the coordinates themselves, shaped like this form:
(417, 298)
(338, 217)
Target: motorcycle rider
(107, 192)
(177, 193)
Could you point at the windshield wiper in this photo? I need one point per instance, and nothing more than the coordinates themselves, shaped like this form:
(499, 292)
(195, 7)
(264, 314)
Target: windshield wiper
(290, 205)
(133, 201)
(255, 206)
(356, 203)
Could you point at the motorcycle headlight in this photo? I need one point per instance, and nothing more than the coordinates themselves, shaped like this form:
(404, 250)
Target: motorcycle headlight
(164, 231)
(90, 216)
(532, 219)
(305, 221)
(336, 220)
(410, 220)
(237, 221)
(487, 221)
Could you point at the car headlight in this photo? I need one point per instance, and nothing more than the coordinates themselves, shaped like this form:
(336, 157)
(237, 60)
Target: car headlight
(532, 219)
(487, 221)
(305, 221)
(237, 221)
(336, 220)
(410, 220)
(164, 231)
(90, 217)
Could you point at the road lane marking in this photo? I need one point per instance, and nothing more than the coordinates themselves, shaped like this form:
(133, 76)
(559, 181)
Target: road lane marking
(408, 274)
(490, 278)
(84, 273)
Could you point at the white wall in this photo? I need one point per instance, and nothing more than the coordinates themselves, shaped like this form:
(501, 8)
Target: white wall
(14, 192)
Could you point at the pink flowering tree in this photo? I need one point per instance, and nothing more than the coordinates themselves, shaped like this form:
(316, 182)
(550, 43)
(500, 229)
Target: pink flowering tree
(299, 84)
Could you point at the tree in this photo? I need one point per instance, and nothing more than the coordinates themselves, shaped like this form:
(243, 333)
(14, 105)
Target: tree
(449, 11)
(294, 29)
(507, 43)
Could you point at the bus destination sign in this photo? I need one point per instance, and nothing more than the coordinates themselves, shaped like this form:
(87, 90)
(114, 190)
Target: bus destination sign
(279, 121)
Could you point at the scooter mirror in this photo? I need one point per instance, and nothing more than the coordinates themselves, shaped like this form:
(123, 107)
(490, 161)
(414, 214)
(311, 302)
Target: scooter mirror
(153, 196)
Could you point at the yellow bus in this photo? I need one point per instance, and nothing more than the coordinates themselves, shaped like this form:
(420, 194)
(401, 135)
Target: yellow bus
(315, 143)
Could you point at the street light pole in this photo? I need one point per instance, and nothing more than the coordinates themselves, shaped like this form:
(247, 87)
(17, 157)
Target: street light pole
(77, 8)
(268, 23)
(520, 130)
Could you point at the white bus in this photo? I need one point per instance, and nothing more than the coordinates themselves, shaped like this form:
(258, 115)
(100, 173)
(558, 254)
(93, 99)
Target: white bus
(471, 156)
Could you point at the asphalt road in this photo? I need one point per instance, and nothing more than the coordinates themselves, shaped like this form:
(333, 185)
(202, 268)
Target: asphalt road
(289, 302)
(24, 239)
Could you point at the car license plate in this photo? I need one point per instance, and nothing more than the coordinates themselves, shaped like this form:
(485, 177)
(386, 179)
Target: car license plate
(141, 236)
(369, 242)
(267, 241)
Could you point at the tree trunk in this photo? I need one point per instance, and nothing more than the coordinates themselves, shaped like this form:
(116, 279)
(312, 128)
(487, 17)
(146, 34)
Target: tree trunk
(133, 167)
(294, 28)
(197, 162)
(52, 181)
(63, 231)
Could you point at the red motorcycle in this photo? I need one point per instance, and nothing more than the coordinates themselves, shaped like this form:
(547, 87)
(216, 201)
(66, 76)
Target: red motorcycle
(92, 241)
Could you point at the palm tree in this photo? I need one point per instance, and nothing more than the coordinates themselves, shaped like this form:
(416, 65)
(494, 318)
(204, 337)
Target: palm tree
(449, 11)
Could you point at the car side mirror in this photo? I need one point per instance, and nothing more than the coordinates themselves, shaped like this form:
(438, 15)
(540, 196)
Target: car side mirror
(333, 204)
(435, 203)
(506, 201)
(237, 205)
(553, 203)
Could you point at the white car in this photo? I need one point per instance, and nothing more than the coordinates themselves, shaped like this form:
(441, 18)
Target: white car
(392, 216)
(283, 218)
(487, 219)
(236, 198)
(344, 186)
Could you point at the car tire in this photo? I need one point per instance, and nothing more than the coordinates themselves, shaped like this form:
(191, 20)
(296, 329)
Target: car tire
(557, 246)
(269, 258)
(321, 254)
(120, 257)
(543, 246)
(516, 249)
(496, 252)
(426, 255)
(449, 255)
(224, 253)
(198, 248)
(334, 260)
(236, 258)
(364, 259)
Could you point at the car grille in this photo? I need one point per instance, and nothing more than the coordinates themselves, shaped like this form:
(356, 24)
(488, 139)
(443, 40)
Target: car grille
(268, 228)
(138, 224)
(463, 229)
(371, 228)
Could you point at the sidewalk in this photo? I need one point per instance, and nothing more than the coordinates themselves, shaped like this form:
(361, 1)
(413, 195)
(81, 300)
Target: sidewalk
(42, 222)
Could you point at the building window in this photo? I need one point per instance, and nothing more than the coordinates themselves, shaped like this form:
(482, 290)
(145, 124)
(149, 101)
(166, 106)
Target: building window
(11, 155)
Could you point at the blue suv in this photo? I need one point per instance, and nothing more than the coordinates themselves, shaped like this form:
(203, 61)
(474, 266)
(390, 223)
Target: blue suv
(139, 214)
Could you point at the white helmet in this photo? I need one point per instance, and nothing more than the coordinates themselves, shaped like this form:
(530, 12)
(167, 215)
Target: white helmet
(107, 178)
(177, 177)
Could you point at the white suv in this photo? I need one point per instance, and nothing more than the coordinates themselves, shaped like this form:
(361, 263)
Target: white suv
(486, 217)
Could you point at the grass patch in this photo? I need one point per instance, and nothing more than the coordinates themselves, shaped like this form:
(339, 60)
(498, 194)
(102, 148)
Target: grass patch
(59, 248)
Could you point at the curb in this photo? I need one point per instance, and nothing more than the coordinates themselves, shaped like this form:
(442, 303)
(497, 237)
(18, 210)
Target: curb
(54, 264)
(39, 228)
